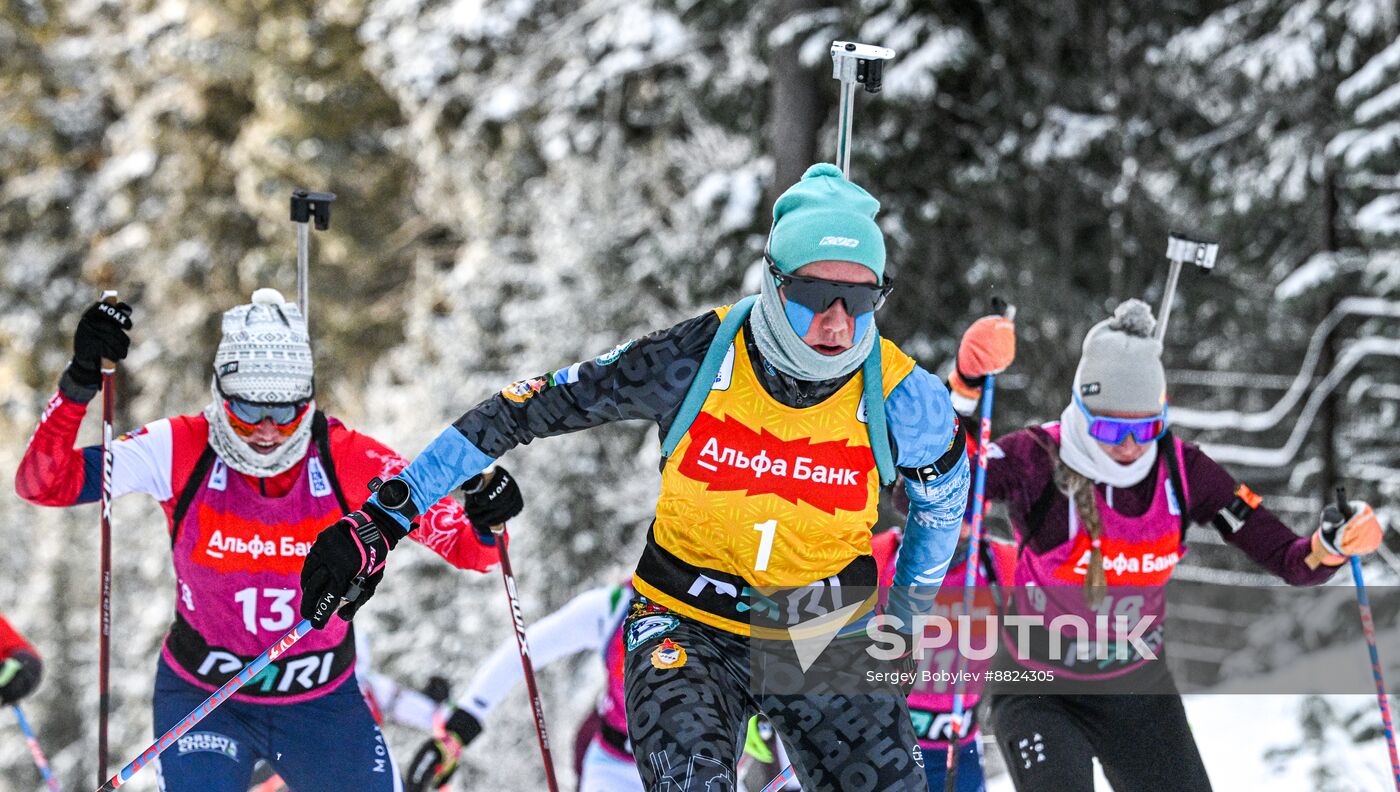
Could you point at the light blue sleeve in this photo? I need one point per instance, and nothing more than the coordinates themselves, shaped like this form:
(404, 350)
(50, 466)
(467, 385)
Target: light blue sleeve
(921, 419)
(442, 467)
(931, 532)
(923, 426)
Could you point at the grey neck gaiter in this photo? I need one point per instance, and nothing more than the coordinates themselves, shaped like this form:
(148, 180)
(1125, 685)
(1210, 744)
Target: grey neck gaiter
(788, 353)
(240, 456)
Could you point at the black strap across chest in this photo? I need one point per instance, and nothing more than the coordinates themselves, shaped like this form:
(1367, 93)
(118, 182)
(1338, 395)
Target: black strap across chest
(320, 435)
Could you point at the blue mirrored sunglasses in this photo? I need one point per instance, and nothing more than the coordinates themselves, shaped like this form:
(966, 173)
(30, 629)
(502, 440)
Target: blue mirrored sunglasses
(1115, 430)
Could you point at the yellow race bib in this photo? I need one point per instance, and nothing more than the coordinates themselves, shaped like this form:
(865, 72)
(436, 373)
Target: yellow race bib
(758, 494)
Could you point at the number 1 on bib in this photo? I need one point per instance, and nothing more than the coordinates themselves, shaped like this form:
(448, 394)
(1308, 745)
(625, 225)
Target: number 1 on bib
(765, 545)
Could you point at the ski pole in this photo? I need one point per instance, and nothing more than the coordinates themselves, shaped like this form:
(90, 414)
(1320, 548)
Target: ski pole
(104, 635)
(536, 703)
(974, 541)
(1368, 627)
(788, 774)
(219, 697)
(1180, 250)
(35, 751)
(854, 64)
(306, 207)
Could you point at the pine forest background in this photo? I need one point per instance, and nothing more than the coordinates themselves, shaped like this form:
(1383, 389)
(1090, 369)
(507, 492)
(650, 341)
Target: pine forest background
(524, 183)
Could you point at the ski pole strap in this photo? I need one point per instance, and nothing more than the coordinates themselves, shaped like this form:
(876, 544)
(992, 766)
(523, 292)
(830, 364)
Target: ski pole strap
(699, 391)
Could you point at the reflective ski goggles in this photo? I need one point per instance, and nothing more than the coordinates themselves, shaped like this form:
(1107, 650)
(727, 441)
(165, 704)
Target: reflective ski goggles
(817, 295)
(1113, 431)
(245, 416)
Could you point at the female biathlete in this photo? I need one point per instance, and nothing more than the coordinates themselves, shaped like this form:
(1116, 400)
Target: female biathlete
(245, 485)
(1100, 501)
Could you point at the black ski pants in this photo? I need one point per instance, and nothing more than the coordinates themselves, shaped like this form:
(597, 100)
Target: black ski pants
(1143, 742)
(687, 719)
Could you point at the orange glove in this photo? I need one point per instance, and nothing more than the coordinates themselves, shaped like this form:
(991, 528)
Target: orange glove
(988, 347)
(1339, 537)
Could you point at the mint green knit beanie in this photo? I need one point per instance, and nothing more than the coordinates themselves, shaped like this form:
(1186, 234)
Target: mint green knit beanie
(825, 217)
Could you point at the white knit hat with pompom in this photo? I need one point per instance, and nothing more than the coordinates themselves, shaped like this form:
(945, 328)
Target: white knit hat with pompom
(1120, 368)
(265, 353)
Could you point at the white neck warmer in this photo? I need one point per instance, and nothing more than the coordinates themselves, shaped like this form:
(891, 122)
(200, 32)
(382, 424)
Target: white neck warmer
(1083, 454)
(237, 454)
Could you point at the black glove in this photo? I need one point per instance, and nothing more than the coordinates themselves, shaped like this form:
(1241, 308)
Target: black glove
(436, 761)
(492, 501)
(19, 675)
(101, 333)
(352, 550)
(438, 688)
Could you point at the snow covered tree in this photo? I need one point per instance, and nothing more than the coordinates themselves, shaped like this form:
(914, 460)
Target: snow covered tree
(1268, 158)
(525, 183)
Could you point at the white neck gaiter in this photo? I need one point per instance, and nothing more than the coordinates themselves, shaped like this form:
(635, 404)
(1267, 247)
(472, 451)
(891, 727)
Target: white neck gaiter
(1084, 455)
(237, 454)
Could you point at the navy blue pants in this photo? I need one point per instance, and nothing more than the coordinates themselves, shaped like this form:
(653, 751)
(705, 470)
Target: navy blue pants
(330, 742)
(970, 777)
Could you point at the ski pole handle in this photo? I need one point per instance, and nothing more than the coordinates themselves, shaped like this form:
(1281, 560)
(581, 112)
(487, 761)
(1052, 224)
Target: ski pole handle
(1001, 307)
(109, 297)
(499, 529)
(1345, 513)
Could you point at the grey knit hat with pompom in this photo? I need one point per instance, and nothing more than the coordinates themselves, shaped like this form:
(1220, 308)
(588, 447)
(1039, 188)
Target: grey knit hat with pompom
(1120, 368)
(265, 354)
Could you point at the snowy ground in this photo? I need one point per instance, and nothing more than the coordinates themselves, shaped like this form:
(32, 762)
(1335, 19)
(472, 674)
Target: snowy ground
(1236, 733)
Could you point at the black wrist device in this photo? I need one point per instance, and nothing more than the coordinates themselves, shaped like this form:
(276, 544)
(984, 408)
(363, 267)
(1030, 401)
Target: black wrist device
(396, 496)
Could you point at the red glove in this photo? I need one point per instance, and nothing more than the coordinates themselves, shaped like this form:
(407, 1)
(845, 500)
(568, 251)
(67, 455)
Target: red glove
(987, 347)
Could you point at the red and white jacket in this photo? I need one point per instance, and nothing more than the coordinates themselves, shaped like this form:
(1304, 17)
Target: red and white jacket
(240, 540)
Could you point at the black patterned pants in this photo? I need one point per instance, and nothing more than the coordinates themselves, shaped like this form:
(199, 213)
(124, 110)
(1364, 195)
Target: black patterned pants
(689, 699)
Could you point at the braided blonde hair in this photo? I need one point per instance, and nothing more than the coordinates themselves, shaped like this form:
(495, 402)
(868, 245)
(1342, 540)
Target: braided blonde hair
(1080, 491)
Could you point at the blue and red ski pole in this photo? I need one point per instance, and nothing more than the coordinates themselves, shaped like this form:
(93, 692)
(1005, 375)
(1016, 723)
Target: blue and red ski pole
(1368, 627)
(215, 699)
(39, 759)
(974, 546)
(788, 774)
